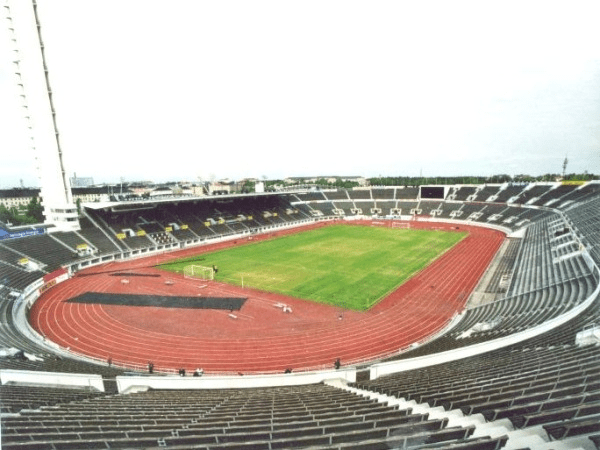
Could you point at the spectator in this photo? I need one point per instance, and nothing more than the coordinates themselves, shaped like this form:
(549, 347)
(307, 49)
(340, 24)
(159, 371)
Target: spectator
(199, 372)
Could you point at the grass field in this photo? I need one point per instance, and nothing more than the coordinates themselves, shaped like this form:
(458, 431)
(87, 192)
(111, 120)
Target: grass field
(350, 266)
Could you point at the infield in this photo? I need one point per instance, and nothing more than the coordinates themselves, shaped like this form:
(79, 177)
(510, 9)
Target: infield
(349, 266)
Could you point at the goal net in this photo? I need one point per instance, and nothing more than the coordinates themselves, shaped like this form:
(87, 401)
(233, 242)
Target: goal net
(198, 272)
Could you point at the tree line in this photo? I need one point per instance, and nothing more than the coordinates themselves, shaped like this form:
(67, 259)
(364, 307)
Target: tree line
(30, 214)
(423, 181)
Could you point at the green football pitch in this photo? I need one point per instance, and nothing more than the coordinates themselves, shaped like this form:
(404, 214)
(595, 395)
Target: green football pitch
(349, 266)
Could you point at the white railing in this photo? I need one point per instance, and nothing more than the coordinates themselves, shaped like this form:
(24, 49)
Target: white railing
(126, 384)
(55, 379)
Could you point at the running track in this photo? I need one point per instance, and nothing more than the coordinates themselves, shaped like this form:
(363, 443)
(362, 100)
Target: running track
(262, 338)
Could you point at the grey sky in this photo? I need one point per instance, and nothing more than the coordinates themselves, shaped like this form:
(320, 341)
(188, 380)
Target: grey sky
(178, 90)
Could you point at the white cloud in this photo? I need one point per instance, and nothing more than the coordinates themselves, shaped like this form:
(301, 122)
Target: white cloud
(234, 88)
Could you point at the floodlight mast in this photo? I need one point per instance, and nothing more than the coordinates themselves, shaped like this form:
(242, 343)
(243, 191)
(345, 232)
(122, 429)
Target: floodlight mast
(31, 77)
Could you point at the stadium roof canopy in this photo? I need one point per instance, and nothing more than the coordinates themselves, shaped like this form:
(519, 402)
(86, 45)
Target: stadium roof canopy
(152, 202)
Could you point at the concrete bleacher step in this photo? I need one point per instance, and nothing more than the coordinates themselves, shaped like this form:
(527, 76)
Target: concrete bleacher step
(536, 438)
(576, 443)
(532, 437)
(528, 438)
(494, 429)
(455, 417)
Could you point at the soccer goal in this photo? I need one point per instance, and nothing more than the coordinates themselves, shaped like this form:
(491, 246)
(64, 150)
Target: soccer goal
(403, 225)
(199, 272)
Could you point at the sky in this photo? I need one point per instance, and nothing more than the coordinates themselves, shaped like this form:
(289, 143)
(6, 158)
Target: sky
(192, 89)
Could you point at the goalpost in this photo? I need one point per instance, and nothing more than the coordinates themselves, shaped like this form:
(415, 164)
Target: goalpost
(198, 272)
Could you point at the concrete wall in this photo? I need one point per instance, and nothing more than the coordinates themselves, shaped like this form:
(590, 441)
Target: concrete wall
(56, 379)
(127, 384)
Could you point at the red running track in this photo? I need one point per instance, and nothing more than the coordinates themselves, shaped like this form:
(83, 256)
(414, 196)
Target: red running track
(262, 338)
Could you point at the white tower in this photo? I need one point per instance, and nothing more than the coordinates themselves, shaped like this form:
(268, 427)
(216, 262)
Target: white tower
(31, 77)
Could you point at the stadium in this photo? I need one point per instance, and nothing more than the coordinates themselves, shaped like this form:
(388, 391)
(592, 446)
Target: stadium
(442, 316)
(529, 340)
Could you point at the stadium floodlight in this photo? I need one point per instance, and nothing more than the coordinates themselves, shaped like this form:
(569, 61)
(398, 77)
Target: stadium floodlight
(32, 81)
(194, 271)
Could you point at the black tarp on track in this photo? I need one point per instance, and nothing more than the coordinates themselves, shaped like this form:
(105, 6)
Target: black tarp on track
(160, 301)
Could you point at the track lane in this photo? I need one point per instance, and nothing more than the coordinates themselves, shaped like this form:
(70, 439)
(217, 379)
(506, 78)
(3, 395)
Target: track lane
(312, 336)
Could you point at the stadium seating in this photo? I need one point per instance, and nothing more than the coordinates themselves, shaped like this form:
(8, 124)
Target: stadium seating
(491, 213)
(585, 218)
(302, 416)
(462, 193)
(486, 192)
(501, 277)
(528, 394)
(509, 193)
(528, 386)
(337, 194)
(347, 207)
(541, 288)
(315, 195)
(532, 193)
(99, 238)
(407, 193)
(360, 194)
(383, 193)
(386, 207)
(554, 195)
(16, 277)
(580, 195)
(364, 206)
(426, 207)
(46, 250)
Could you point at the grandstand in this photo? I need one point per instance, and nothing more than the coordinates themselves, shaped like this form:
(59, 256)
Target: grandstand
(517, 367)
(507, 372)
